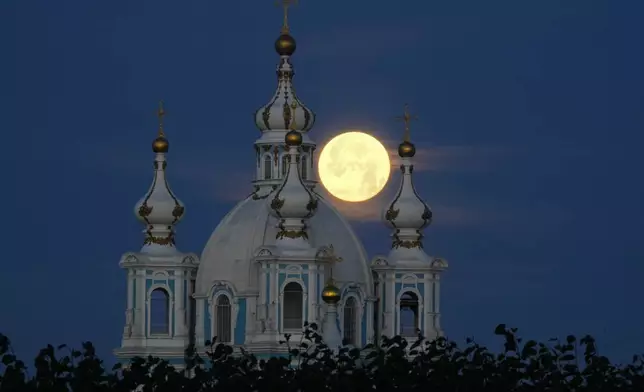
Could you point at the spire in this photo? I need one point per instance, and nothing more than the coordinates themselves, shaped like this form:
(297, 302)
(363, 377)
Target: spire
(285, 5)
(293, 203)
(278, 114)
(331, 295)
(159, 209)
(407, 214)
(160, 144)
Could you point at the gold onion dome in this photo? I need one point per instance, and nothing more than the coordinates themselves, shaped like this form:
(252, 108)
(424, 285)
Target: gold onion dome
(285, 45)
(331, 294)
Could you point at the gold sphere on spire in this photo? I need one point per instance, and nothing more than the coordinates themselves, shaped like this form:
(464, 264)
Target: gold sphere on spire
(331, 294)
(285, 45)
(406, 149)
(160, 145)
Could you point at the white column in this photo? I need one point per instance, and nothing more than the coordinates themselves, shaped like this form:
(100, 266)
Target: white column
(437, 300)
(274, 299)
(313, 293)
(141, 293)
(390, 306)
(199, 329)
(130, 289)
(330, 333)
(179, 308)
(370, 327)
(428, 318)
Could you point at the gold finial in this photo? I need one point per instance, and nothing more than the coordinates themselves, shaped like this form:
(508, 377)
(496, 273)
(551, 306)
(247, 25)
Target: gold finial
(406, 118)
(334, 259)
(285, 5)
(160, 114)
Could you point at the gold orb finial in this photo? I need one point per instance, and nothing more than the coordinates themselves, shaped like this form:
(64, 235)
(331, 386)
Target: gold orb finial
(406, 149)
(293, 138)
(160, 144)
(331, 294)
(285, 44)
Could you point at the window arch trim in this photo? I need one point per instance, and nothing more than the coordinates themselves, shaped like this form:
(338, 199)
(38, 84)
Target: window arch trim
(358, 316)
(267, 158)
(222, 288)
(304, 303)
(148, 306)
(213, 315)
(419, 317)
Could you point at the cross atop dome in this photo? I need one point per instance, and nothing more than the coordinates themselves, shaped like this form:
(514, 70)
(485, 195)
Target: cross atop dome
(285, 5)
(277, 114)
(406, 149)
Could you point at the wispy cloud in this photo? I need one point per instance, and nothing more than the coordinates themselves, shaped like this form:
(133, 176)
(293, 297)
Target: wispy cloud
(454, 159)
(210, 181)
(372, 210)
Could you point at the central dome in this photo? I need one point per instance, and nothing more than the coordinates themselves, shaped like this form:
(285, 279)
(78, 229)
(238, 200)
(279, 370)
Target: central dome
(229, 251)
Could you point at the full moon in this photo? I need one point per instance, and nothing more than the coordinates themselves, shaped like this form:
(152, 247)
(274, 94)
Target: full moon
(354, 166)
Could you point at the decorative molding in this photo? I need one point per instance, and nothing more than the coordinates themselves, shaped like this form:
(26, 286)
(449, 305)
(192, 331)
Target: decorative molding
(263, 252)
(379, 261)
(438, 263)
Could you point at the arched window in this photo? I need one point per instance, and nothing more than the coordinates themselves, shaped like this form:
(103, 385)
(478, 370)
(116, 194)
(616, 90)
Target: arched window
(223, 323)
(159, 312)
(351, 321)
(268, 167)
(284, 164)
(409, 314)
(293, 306)
(305, 168)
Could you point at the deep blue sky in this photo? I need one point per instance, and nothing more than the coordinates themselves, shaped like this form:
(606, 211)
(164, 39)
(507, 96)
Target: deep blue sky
(531, 115)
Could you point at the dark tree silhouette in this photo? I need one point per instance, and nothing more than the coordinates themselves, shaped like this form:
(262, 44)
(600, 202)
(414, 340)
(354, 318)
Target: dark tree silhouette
(310, 366)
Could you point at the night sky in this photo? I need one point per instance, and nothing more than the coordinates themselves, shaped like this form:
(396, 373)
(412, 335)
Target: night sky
(531, 115)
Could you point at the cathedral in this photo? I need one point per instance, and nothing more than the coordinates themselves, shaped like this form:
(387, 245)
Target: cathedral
(282, 257)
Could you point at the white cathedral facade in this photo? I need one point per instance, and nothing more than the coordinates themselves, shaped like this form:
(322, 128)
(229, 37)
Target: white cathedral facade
(281, 257)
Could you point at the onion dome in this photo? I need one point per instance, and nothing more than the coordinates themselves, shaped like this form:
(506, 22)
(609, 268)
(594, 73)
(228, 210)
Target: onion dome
(159, 209)
(293, 202)
(331, 294)
(278, 113)
(407, 214)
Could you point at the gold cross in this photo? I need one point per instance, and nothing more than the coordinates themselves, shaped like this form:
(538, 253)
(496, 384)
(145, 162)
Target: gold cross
(285, 5)
(334, 259)
(160, 114)
(406, 118)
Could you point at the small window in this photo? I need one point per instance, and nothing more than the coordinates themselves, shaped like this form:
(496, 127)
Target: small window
(305, 168)
(159, 312)
(223, 329)
(268, 167)
(293, 306)
(351, 321)
(409, 314)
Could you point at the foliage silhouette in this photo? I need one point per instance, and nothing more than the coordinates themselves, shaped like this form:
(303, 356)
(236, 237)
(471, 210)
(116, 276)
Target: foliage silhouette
(311, 366)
